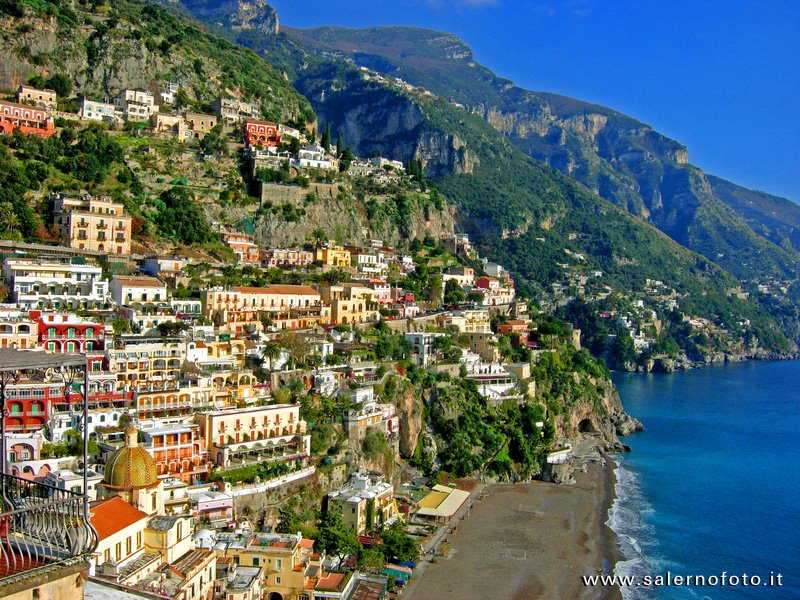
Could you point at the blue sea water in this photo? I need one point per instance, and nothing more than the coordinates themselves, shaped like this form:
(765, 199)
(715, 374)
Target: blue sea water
(713, 483)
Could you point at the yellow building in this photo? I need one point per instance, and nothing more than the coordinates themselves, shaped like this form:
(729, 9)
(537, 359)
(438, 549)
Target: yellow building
(142, 361)
(333, 256)
(93, 223)
(364, 503)
(350, 303)
(18, 331)
(170, 536)
(290, 566)
(120, 531)
(484, 344)
(288, 306)
(230, 352)
(263, 433)
(468, 320)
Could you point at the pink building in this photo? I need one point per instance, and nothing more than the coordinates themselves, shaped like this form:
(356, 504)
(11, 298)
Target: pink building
(286, 258)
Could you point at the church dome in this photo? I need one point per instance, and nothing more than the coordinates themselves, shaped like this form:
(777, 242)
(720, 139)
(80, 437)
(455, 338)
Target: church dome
(131, 467)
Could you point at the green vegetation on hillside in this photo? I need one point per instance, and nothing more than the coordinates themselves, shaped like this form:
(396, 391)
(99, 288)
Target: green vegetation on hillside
(104, 46)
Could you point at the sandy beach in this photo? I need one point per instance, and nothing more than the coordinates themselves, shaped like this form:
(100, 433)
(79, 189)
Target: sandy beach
(525, 541)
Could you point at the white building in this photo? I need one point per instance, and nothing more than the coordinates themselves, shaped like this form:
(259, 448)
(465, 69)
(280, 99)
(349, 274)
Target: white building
(72, 481)
(314, 157)
(42, 283)
(137, 289)
(94, 110)
(136, 105)
(423, 346)
(494, 382)
(168, 93)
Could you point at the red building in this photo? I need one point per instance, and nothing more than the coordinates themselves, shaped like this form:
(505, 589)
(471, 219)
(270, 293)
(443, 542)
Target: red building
(517, 330)
(27, 119)
(512, 326)
(61, 332)
(29, 404)
(260, 133)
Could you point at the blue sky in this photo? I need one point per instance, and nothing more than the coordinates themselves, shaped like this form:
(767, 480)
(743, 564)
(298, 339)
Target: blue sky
(721, 77)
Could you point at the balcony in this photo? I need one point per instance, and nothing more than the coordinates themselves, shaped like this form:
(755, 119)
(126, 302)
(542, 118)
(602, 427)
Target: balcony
(42, 528)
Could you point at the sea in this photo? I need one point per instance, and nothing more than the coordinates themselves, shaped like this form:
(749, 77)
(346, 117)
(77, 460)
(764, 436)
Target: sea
(712, 484)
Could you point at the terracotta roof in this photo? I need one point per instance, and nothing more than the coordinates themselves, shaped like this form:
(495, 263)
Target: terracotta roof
(279, 289)
(260, 122)
(331, 581)
(140, 281)
(306, 543)
(17, 105)
(114, 515)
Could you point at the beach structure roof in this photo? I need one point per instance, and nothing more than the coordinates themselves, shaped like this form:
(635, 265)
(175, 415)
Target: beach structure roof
(442, 502)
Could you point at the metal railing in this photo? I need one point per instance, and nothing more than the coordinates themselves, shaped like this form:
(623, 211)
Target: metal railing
(41, 527)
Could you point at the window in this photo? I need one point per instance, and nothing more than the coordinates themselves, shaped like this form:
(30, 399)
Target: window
(256, 561)
(119, 551)
(128, 544)
(277, 580)
(138, 539)
(107, 555)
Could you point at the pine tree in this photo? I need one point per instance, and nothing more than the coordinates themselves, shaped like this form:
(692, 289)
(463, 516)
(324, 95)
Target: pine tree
(326, 138)
(339, 145)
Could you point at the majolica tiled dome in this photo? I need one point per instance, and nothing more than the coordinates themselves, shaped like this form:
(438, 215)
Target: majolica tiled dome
(131, 467)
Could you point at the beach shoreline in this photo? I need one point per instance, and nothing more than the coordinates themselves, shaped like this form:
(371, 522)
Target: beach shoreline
(530, 540)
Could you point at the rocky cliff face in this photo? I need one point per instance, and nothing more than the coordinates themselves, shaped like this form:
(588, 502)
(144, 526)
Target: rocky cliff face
(138, 45)
(237, 14)
(607, 420)
(336, 210)
(128, 65)
(409, 410)
(442, 154)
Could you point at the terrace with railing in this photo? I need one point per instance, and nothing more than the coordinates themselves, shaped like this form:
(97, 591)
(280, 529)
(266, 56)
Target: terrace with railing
(45, 532)
(42, 528)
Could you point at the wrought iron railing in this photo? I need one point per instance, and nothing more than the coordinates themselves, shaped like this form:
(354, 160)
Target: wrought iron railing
(41, 527)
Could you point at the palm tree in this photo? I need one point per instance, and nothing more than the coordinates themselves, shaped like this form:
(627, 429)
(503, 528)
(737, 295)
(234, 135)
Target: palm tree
(319, 236)
(8, 217)
(271, 351)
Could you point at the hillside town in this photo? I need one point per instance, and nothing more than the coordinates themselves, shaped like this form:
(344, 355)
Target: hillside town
(181, 406)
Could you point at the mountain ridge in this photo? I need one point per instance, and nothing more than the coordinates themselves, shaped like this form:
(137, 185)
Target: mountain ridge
(612, 154)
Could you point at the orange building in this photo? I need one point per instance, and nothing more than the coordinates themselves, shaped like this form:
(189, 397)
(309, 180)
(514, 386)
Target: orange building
(93, 223)
(261, 133)
(27, 119)
(179, 450)
(242, 245)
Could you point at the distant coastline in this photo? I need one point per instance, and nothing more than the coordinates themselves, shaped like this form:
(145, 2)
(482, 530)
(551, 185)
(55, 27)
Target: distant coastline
(684, 363)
